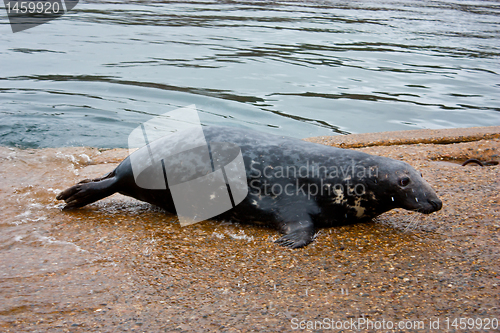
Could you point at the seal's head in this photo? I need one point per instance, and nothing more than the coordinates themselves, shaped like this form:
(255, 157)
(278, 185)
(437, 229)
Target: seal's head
(403, 187)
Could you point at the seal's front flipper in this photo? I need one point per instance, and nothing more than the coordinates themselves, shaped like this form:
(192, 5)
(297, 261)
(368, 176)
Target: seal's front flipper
(295, 222)
(302, 234)
(88, 191)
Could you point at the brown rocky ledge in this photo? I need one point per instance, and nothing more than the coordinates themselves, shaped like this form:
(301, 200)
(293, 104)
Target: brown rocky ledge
(121, 265)
(437, 136)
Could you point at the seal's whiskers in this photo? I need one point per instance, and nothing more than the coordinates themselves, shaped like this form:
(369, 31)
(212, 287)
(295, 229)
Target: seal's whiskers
(413, 222)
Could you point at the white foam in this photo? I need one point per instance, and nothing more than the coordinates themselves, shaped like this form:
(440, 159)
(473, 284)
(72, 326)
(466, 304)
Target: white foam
(218, 235)
(53, 190)
(86, 157)
(241, 235)
(51, 240)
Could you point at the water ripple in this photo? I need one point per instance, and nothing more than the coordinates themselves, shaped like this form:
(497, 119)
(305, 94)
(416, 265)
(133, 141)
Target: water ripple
(287, 67)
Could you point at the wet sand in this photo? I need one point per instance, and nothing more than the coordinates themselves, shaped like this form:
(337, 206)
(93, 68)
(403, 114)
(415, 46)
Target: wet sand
(122, 265)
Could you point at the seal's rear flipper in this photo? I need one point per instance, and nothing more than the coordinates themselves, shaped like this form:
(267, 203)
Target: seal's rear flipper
(88, 191)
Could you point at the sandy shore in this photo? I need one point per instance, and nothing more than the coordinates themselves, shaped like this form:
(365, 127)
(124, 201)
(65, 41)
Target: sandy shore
(121, 265)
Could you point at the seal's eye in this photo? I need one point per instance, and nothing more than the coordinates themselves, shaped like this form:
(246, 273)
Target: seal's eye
(404, 181)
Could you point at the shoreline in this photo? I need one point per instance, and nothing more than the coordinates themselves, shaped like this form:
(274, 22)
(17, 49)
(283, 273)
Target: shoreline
(389, 138)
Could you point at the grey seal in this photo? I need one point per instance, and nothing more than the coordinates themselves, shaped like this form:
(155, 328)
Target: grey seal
(293, 185)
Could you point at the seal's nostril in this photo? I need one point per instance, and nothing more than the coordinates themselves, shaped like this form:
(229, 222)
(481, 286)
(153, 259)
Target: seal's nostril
(437, 204)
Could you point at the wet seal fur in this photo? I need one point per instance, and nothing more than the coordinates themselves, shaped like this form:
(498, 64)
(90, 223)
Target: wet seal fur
(295, 186)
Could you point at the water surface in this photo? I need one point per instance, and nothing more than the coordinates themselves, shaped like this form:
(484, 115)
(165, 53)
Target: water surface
(294, 68)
